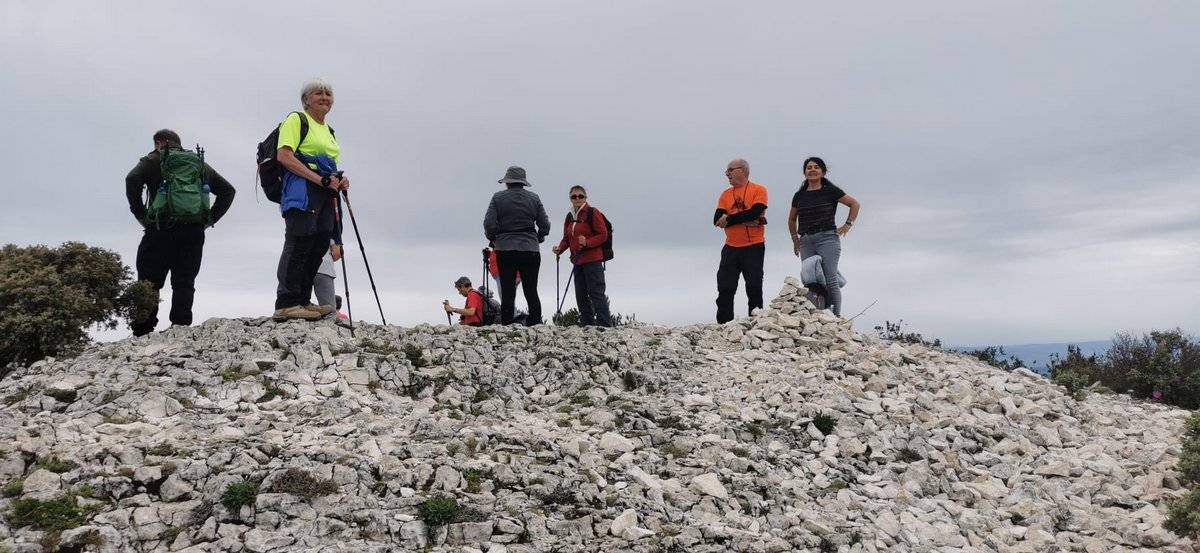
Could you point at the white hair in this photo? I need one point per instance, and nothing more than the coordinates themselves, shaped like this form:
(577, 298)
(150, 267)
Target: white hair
(313, 86)
(743, 163)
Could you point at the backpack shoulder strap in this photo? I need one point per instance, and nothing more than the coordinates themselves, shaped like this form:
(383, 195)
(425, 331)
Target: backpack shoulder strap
(591, 215)
(303, 127)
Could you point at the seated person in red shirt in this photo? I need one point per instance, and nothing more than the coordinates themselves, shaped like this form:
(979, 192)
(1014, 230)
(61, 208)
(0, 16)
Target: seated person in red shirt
(472, 313)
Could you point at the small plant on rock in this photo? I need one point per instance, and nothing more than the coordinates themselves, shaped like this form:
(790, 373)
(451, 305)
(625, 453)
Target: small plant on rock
(238, 494)
(438, 511)
(473, 478)
(13, 488)
(54, 464)
(303, 484)
(415, 356)
(62, 513)
(824, 423)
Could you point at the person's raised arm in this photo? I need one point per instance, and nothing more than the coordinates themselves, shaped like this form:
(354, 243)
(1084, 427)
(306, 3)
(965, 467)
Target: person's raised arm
(222, 190)
(849, 201)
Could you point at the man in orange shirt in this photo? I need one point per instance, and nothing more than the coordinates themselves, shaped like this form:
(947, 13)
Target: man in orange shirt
(741, 211)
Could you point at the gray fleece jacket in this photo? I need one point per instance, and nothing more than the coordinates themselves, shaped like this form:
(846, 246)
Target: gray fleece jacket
(516, 220)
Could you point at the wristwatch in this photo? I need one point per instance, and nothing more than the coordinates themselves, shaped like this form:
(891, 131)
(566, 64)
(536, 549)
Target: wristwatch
(849, 223)
(325, 180)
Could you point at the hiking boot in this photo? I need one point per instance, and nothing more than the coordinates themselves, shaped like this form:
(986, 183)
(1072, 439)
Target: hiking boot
(296, 312)
(324, 310)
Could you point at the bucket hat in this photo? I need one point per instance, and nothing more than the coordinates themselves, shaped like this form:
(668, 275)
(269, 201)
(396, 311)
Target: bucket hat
(514, 175)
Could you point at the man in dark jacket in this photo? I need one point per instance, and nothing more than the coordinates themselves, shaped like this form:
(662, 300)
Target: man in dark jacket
(584, 234)
(167, 246)
(516, 222)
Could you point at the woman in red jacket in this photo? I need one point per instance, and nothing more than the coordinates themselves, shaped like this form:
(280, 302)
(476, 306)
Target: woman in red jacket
(584, 234)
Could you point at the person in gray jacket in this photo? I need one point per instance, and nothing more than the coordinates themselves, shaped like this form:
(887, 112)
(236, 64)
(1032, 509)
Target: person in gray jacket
(516, 223)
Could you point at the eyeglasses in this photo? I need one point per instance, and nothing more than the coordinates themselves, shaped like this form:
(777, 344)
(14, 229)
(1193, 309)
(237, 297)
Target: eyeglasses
(732, 169)
(578, 197)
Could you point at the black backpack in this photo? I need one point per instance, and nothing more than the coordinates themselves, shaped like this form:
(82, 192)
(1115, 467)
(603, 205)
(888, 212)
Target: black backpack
(270, 172)
(491, 307)
(606, 247)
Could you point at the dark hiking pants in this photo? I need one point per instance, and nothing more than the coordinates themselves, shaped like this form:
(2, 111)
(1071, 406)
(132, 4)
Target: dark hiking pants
(746, 262)
(305, 241)
(590, 296)
(526, 263)
(176, 250)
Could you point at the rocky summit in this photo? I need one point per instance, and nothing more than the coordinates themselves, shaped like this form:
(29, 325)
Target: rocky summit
(784, 431)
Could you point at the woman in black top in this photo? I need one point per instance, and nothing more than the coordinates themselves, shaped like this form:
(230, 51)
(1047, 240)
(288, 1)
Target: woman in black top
(811, 225)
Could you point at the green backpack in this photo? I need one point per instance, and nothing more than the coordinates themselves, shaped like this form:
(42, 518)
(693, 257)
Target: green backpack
(183, 194)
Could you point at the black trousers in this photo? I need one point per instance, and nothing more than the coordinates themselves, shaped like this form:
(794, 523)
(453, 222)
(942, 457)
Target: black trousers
(177, 250)
(527, 263)
(746, 262)
(305, 241)
(590, 296)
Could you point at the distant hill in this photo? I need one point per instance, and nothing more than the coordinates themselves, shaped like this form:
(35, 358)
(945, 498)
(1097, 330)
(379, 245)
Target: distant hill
(1037, 356)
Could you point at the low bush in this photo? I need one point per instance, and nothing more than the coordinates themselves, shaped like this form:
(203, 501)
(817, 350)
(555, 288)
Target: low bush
(1189, 459)
(996, 357)
(61, 513)
(895, 332)
(303, 484)
(438, 511)
(1183, 516)
(1162, 365)
(238, 494)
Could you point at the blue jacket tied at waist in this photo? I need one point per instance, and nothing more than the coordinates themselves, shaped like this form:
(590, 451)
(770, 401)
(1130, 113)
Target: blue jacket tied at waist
(295, 187)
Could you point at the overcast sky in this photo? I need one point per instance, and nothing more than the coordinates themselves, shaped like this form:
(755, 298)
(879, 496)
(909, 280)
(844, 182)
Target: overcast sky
(1028, 170)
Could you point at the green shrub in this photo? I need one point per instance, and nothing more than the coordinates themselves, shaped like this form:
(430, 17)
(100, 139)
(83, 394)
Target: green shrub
(303, 484)
(569, 317)
(824, 423)
(61, 513)
(239, 494)
(1162, 365)
(894, 332)
(1183, 516)
(49, 297)
(1189, 459)
(438, 511)
(13, 488)
(54, 464)
(474, 480)
(996, 357)
(415, 356)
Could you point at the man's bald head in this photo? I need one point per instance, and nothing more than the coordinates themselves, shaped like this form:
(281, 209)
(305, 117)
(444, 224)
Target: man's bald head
(738, 172)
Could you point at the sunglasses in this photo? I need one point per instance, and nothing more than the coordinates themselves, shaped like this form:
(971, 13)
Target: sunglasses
(578, 196)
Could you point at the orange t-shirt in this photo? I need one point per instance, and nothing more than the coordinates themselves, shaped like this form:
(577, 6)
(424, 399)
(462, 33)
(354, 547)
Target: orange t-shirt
(736, 199)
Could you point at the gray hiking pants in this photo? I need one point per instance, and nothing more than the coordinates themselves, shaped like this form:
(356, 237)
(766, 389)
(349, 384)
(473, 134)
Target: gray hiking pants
(828, 245)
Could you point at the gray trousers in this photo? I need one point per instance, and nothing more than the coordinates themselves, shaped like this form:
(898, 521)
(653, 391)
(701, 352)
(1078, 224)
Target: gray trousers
(323, 286)
(828, 245)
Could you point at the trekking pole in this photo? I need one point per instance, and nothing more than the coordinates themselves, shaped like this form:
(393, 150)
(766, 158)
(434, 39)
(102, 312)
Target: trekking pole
(345, 278)
(361, 249)
(557, 285)
(346, 287)
(564, 296)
